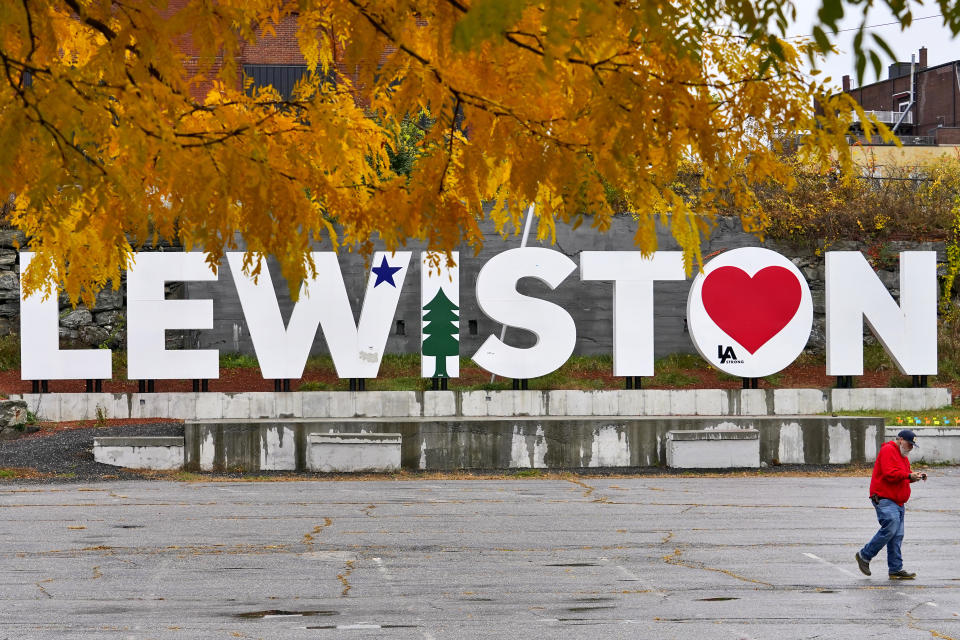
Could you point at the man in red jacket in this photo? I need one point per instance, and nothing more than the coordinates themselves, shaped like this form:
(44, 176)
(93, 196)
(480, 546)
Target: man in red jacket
(889, 491)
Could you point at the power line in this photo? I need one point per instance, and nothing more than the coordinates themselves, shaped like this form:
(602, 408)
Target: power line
(875, 26)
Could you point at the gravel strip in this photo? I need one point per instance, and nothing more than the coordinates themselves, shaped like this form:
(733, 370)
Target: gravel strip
(69, 453)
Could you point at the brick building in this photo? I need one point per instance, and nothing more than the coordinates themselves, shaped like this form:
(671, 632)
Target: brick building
(921, 104)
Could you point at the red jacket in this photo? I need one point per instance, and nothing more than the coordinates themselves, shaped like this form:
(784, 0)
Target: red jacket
(891, 474)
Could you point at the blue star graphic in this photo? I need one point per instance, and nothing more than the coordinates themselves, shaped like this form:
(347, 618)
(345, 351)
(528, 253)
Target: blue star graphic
(385, 273)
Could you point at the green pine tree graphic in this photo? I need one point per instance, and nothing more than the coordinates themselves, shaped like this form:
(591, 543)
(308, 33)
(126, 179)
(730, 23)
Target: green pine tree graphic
(443, 335)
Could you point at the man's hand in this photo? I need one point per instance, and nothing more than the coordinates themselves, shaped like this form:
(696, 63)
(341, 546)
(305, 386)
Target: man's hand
(916, 475)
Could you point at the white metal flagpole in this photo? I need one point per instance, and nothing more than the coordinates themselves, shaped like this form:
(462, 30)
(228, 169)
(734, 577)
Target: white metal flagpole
(523, 243)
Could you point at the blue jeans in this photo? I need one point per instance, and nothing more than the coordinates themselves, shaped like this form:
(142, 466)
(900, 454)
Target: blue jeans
(890, 516)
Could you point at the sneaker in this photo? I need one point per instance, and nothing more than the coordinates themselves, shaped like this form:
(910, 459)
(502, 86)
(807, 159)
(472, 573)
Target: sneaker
(864, 565)
(902, 575)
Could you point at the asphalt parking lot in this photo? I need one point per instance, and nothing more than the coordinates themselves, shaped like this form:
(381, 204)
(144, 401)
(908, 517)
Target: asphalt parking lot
(641, 557)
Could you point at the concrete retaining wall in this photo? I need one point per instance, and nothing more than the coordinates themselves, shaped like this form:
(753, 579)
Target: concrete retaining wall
(442, 404)
(542, 442)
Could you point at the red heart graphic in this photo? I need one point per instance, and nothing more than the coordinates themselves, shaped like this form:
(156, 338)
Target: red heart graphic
(751, 310)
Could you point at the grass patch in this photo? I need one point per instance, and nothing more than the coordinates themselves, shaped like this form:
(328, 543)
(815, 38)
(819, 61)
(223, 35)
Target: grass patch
(400, 383)
(118, 358)
(320, 363)
(876, 359)
(528, 473)
(238, 361)
(497, 385)
(672, 379)
(19, 473)
(927, 417)
(672, 370)
(314, 385)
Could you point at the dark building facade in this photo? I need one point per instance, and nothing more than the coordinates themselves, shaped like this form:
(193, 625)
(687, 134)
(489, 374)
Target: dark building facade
(920, 103)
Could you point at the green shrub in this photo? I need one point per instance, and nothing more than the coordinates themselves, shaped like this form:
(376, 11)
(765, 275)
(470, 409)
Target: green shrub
(9, 352)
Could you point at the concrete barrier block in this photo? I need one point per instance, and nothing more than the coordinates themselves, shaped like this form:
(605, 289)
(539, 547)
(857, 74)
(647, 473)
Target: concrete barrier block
(683, 402)
(278, 448)
(786, 402)
(73, 406)
(474, 403)
(209, 406)
(852, 399)
(346, 452)
(289, 404)
(439, 403)
(841, 399)
(811, 402)
(939, 397)
(149, 405)
(370, 404)
(605, 403)
(235, 405)
(711, 402)
(529, 403)
(713, 449)
(329, 404)
(112, 405)
(512, 403)
(887, 399)
(918, 399)
(753, 402)
(139, 452)
(502, 403)
(182, 406)
(399, 404)
(569, 402)
(656, 402)
(263, 404)
(315, 404)
(630, 402)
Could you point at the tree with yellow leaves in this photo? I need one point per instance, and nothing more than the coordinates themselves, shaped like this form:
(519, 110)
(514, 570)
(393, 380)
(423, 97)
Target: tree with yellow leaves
(106, 146)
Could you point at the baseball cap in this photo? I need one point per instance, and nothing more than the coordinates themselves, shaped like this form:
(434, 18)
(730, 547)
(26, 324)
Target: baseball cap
(908, 435)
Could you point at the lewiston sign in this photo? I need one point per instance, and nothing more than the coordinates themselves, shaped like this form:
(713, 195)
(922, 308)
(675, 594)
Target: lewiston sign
(749, 314)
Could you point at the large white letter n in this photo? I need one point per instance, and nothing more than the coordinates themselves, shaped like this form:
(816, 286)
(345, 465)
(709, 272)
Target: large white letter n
(907, 331)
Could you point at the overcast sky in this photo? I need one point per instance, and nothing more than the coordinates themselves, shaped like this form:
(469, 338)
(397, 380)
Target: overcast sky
(927, 31)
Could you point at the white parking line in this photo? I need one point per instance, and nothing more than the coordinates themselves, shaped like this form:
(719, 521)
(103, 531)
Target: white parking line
(632, 577)
(830, 564)
(382, 569)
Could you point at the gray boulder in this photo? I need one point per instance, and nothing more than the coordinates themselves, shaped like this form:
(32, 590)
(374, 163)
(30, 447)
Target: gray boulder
(76, 318)
(93, 336)
(13, 413)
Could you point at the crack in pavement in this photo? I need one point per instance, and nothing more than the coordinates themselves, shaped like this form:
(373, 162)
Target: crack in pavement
(674, 559)
(317, 530)
(580, 483)
(42, 590)
(343, 578)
